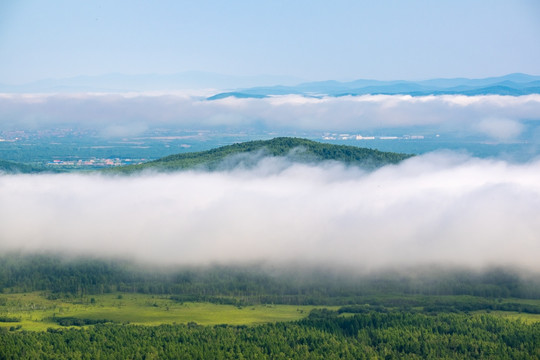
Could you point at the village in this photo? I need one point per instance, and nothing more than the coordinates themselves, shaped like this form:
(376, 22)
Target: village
(94, 162)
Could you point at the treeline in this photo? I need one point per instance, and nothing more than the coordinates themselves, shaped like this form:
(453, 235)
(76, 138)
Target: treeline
(73, 321)
(244, 285)
(18, 168)
(437, 304)
(323, 335)
(248, 153)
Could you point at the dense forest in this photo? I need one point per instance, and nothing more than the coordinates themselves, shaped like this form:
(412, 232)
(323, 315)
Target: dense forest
(13, 167)
(248, 153)
(420, 313)
(323, 335)
(299, 285)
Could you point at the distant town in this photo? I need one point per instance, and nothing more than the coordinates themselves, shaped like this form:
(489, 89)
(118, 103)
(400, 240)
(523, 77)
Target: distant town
(69, 148)
(360, 137)
(94, 162)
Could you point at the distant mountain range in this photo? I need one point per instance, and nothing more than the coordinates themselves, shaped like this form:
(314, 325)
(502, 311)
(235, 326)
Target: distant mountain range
(512, 84)
(249, 153)
(189, 80)
(264, 86)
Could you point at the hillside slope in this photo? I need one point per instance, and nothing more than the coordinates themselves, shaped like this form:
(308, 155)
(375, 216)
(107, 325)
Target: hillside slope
(248, 153)
(10, 167)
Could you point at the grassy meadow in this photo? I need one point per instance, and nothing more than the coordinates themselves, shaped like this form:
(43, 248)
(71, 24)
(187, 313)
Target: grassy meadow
(514, 315)
(37, 311)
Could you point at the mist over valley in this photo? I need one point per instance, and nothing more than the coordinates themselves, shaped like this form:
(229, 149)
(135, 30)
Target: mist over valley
(269, 180)
(440, 208)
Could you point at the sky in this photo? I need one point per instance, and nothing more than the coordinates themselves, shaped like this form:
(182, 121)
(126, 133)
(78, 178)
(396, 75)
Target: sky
(305, 40)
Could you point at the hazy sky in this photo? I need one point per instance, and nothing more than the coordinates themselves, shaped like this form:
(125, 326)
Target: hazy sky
(312, 40)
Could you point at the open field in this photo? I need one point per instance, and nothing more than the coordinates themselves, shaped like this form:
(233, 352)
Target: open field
(37, 312)
(514, 315)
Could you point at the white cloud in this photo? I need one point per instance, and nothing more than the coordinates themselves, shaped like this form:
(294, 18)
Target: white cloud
(497, 117)
(500, 129)
(436, 208)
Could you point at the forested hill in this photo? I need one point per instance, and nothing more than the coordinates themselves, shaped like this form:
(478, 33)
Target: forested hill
(248, 153)
(17, 168)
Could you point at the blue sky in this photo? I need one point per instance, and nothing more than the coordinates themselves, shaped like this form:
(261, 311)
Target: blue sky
(311, 40)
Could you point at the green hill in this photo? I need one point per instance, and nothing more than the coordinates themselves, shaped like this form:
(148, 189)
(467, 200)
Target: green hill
(248, 153)
(18, 168)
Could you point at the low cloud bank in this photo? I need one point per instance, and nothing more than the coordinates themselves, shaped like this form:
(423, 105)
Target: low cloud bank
(440, 208)
(500, 118)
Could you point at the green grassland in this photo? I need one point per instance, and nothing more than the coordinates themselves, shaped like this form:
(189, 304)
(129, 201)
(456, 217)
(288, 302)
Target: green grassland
(37, 312)
(514, 315)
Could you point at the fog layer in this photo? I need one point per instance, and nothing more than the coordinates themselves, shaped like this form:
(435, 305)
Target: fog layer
(500, 118)
(438, 208)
